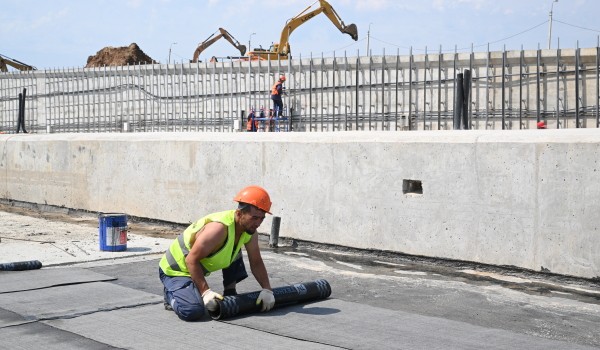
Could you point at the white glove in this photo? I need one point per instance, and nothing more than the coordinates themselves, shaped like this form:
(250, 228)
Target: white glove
(267, 299)
(208, 297)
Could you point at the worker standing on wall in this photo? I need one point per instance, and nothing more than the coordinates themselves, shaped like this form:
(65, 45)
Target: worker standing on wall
(276, 92)
(214, 243)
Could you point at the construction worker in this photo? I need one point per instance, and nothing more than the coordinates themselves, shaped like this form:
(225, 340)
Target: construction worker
(276, 92)
(252, 123)
(214, 243)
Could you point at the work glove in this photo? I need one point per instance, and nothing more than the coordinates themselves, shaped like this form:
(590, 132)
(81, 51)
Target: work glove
(210, 299)
(267, 299)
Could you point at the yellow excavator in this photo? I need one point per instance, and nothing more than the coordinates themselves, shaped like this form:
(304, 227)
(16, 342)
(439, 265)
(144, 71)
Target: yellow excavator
(6, 61)
(211, 40)
(282, 49)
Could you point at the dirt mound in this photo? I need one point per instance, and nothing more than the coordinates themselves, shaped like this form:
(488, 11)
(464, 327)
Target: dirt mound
(119, 56)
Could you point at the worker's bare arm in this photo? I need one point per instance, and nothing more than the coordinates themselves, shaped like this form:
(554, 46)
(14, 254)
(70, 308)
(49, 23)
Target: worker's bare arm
(257, 266)
(206, 241)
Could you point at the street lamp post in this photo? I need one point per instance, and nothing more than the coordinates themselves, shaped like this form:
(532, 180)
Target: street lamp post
(368, 38)
(249, 40)
(170, 46)
(550, 25)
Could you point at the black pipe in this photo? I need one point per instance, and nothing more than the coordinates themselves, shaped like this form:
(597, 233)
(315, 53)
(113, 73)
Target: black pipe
(19, 112)
(245, 303)
(242, 118)
(21, 265)
(21, 117)
(274, 237)
(458, 102)
(466, 93)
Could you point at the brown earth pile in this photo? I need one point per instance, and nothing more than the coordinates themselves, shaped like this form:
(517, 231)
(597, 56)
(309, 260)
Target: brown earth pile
(119, 56)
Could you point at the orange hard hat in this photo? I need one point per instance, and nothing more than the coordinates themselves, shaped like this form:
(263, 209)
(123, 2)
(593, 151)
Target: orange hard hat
(255, 195)
(541, 125)
(282, 77)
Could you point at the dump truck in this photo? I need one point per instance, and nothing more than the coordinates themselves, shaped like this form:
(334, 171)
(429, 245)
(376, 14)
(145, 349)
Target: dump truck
(281, 50)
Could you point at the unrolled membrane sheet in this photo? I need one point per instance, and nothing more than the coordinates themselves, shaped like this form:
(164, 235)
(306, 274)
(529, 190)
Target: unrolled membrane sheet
(40, 336)
(74, 300)
(16, 281)
(356, 326)
(152, 327)
(9, 318)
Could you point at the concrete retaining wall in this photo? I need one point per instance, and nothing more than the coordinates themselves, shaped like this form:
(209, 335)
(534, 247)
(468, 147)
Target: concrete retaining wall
(526, 198)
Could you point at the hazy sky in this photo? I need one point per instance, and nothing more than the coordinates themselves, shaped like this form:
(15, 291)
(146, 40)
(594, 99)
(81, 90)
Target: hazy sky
(63, 33)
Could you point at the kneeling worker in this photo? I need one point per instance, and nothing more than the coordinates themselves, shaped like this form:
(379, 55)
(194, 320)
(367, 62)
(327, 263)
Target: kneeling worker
(214, 243)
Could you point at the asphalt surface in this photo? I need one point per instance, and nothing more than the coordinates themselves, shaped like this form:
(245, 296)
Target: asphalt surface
(113, 300)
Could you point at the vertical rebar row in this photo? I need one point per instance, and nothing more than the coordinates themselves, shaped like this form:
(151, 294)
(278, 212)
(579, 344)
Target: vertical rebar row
(410, 83)
(521, 62)
(577, 63)
(558, 89)
(597, 97)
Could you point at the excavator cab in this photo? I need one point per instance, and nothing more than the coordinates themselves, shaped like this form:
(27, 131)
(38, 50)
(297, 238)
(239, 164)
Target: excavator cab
(211, 40)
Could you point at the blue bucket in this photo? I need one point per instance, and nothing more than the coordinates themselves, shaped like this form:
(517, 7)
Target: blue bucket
(113, 232)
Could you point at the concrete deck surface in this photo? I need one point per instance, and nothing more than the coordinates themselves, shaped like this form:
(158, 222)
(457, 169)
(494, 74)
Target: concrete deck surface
(84, 298)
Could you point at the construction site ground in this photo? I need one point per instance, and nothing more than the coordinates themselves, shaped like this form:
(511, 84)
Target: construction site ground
(85, 298)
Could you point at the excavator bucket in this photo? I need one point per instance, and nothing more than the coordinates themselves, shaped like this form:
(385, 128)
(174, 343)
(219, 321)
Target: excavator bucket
(351, 30)
(242, 49)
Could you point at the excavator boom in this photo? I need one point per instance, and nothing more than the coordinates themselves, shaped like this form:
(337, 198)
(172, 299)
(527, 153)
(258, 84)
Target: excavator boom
(5, 62)
(210, 40)
(282, 50)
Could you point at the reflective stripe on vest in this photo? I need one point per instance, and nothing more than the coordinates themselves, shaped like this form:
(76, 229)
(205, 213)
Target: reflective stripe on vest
(171, 259)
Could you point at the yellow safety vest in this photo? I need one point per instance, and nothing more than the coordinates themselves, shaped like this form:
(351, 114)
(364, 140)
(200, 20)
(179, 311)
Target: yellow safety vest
(173, 261)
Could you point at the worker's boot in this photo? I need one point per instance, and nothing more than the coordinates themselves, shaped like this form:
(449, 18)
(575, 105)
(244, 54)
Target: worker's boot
(166, 304)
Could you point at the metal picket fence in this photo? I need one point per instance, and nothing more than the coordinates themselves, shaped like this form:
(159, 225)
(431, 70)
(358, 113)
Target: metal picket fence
(505, 90)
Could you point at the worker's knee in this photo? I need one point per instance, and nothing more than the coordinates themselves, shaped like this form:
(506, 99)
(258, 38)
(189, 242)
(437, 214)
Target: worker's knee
(189, 312)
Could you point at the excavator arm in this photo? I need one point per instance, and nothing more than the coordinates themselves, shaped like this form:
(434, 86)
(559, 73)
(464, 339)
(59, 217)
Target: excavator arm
(282, 50)
(292, 24)
(5, 62)
(210, 40)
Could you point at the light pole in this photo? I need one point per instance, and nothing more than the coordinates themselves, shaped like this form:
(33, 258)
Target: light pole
(249, 40)
(368, 38)
(550, 25)
(170, 46)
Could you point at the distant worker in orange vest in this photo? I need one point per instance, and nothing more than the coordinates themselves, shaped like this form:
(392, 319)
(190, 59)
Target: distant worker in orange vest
(252, 123)
(276, 92)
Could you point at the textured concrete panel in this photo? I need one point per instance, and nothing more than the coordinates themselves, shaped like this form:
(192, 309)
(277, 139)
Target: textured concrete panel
(524, 198)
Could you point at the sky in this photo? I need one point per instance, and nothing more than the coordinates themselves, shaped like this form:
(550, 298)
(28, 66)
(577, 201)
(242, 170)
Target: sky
(50, 34)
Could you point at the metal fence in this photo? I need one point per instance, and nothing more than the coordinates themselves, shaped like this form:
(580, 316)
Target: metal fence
(506, 90)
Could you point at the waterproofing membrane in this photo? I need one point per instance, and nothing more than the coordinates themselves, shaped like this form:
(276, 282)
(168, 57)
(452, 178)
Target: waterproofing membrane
(356, 326)
(16, 281)
(151, 327)
(9, 318)
(74, 300)
(40, 336)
